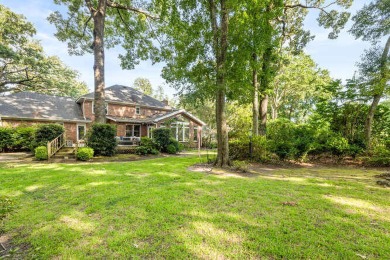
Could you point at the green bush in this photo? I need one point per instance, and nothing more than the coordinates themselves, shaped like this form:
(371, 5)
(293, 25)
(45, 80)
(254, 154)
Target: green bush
(147, 146)
(6, 138)
(171, 149)
(337, 145)
(24, 137)
(176, 144)
(281, 134)
(380, 157)
(162, 137)
(84, 153)
(239, 149)
(101, 138)
(46, 133)
(41, 153)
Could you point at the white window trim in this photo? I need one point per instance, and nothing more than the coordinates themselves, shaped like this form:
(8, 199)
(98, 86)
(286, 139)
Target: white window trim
(151, 132)
(132, 130)
(184, 125)
(93, 107)
(139, 110)
(77, 130)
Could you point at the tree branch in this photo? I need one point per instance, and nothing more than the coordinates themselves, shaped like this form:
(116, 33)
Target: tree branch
(90, 6)
(130, 8)
(311, 7)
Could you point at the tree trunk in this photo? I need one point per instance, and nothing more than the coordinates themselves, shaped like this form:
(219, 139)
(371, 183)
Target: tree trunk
(263, 115)
(265, 79)
(220, 44)
(98, 51)
(382, 84)
(255, 115)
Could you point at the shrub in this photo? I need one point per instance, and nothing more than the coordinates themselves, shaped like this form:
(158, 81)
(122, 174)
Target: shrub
(24, 138)
(281, 134)
(41, 153)
(239, 149)
(171, 149)
(84, 153)
(6, 138)
(380, 157)
(46, 133)
(147, 146)
(101, 138)
(162, 138)
(337, 145)
(176, 144)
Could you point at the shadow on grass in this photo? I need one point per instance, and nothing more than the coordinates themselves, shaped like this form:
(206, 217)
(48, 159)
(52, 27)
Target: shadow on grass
(158, 209)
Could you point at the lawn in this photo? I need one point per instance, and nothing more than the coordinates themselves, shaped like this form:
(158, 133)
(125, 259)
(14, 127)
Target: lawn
(159, 209)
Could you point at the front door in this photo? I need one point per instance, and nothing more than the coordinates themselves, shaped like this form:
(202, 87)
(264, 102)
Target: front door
(81, 131)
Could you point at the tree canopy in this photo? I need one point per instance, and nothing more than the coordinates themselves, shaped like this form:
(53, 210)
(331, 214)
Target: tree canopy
(25, 67)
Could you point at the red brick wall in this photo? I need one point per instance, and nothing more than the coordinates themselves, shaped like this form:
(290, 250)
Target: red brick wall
(120, 110)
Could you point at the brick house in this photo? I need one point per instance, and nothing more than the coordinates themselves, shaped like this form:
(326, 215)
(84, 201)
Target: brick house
(134, 114)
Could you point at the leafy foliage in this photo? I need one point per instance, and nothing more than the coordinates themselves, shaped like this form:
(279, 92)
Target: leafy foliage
(46, 133)
(143, 85)
(84, 153)
(6, 138)
(24, 138)
(101, 138)
(25, 66)
(41, 153)
(162, 137)
(147, 146)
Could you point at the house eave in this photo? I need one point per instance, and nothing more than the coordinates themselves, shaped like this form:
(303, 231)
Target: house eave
(45, 119)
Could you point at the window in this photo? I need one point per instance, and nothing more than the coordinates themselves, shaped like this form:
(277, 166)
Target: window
(137, 110)
(133, 130)
(195, 134)
(80, 132)
(105, 107)
(150, 131)
(180, 131)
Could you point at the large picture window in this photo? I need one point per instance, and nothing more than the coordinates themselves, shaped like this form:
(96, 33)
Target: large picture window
(133, 130)
(180, 131)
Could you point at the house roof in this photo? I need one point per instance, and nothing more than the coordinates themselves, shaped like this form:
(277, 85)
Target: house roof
(124, 94)
(156, 118)
(29, 105)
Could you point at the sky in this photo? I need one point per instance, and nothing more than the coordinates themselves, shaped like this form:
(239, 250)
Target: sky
(338, 56)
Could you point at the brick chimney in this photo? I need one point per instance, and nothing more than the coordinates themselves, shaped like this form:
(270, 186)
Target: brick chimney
(165, 102)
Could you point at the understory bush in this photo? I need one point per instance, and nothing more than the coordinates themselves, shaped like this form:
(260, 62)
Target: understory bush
(147, 146)
(380, 156)
(101, 138)
(46, 133)
(84, 153)
(6, 138)
(24, 138)
(41, 153)
(239, 149)
(161, 137)
(171, 149)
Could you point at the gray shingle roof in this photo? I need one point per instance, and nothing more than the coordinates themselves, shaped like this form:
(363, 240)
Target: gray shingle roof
(40, 106)
(120, 93)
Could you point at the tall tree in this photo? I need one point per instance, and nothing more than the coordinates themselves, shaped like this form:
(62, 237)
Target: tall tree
(195, 49)
(297, 87)
(144, 85)
(25, 67)
(372, 23)
(113, 23)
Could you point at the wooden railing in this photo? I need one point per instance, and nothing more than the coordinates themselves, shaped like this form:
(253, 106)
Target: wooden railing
(55, 145)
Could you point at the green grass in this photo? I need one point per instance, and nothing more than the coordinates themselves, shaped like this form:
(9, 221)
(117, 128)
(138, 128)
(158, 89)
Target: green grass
(158, 209)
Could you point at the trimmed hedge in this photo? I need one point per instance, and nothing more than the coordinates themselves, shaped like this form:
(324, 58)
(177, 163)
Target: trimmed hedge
(84, 154)
(6, 138)
(147, 146)
(41, 153)
(101, 138)
(24, 138)
(46, 133)
(162, 137)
